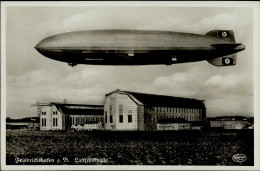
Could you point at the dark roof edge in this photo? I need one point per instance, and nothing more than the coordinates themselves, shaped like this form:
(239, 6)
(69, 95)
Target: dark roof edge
(130, 92)
(71, 104)
(68, 104)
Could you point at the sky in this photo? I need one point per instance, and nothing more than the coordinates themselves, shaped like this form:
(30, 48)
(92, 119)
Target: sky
(31, 77)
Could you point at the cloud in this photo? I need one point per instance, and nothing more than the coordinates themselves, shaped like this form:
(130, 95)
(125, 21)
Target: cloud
(179, 83)
(102, 18)
(229, 84)
(224, 93)
(227, 81)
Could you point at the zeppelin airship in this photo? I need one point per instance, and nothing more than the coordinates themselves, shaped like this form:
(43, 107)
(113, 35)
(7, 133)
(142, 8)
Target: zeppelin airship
(141, 47)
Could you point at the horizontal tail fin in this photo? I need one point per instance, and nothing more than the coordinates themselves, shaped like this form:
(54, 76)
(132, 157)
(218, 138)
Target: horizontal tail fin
(224, 60)
(222, 34)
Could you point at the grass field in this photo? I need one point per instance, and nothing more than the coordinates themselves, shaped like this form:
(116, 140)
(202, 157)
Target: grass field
(128, 148)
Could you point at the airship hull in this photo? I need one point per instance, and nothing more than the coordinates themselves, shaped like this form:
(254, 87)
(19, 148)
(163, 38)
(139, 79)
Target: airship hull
(129, 47)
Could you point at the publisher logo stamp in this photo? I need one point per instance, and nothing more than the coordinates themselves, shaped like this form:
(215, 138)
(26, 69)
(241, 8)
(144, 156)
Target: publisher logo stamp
(239, 158)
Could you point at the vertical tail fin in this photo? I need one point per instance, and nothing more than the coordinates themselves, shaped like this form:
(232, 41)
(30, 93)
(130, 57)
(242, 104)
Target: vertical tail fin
(224, 60)
(227, 35)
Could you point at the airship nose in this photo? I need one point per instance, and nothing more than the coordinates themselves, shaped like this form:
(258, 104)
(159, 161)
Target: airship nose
(45, 43)
(38, 46)
(47, 47)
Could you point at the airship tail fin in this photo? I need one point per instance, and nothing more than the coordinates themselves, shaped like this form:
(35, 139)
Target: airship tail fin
(222, 34)
(224, 60)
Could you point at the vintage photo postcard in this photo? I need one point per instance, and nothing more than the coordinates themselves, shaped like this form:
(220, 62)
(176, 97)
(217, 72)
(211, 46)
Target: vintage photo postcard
(130, 85)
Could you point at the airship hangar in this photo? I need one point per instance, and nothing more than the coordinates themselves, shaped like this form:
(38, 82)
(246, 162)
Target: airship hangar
(125, 111)
(133, 111)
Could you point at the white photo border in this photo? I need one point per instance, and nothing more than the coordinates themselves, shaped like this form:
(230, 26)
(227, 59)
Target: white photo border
(255, 5)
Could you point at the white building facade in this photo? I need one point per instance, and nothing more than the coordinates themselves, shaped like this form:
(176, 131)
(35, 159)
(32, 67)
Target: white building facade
(90, 126)
(51, 118)
(60, 116)
(173, 126)
(137, 111)
(121, 112)
(229, 122)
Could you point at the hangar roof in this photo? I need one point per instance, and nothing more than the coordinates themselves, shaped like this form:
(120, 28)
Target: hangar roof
(80, 109)
(165, 101)
(28, 119)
